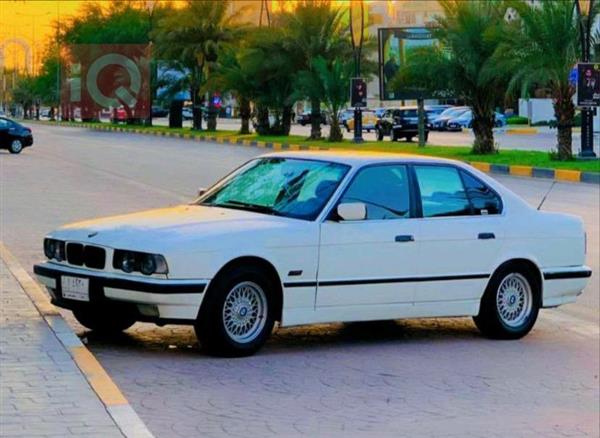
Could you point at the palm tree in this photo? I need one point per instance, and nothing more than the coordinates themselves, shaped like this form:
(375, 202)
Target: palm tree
(195, 35)
(334, 80)
(462, 65)
(315, 29)
(539, 49)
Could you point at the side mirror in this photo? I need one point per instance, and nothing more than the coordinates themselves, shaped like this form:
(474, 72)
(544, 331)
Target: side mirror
(202, 190)
(352, 211)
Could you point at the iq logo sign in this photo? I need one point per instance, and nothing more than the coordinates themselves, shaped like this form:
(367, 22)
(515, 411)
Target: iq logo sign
(102, 78)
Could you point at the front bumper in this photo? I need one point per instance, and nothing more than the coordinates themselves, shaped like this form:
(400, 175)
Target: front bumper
(154, 299)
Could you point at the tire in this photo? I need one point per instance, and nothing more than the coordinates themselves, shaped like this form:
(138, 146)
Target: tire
(394, 136)
(16, 146)
(379, 134)
(510, 304)
(104, 320)
(218, 328)
(409, 138)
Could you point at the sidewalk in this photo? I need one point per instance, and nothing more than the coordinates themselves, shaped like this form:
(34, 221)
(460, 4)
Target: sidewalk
(42, 391)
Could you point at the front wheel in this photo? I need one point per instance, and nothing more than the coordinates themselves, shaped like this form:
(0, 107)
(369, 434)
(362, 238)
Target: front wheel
(101, 320)
(510, 304)
(238, 315)
(16, 146)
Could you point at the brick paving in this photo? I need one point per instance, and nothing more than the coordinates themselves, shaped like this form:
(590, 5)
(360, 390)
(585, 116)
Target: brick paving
(42, 392)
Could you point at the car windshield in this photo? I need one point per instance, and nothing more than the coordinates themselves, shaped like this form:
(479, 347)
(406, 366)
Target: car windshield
(453, 111)
(289, 187)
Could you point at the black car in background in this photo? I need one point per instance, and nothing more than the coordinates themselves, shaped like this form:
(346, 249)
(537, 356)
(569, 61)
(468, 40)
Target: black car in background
(400, 123)
(306, 117)
(158, 111)
(14, 136)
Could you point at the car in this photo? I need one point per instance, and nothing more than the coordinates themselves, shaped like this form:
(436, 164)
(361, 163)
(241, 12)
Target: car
(345, 115)
(313, 237)
(187, 113)
(14, 136)
(306, 117)
(369, 120)
(465, 120)
(158, 111)
(399, 123)
(435, 111)
(441, 121)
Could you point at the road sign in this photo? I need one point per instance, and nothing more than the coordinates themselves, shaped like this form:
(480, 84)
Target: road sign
(358, 93)
(588, 84)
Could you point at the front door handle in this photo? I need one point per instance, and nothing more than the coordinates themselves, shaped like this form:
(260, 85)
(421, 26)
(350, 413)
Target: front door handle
(485, 236)
(404, 238)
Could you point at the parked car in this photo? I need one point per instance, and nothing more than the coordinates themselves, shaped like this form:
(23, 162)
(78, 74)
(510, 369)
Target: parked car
(441, 121)
(314, 237)
(346, 115)
(465, 120)
(306, 117)
(399, 123)
(435, 111)
(158, 111)
(14, 136)
(369, 120)
(187, 113)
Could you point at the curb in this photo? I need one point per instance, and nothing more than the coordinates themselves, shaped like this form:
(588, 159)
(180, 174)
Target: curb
(502, 169)
(115, 403)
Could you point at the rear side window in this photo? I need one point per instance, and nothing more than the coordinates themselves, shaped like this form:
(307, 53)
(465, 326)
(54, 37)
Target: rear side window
(483, 199)
(442, 191)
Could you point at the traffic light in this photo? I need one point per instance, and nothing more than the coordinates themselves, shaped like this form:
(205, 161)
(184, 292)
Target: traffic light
(358, 93)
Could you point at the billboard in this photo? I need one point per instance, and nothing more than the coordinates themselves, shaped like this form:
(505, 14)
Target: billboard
(588, 84)
(100, 77)
(395, 44)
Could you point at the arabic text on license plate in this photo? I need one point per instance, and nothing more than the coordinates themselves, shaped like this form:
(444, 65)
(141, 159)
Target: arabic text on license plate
(75, 288)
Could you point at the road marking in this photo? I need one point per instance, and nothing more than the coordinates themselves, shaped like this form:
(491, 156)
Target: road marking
(101, 383)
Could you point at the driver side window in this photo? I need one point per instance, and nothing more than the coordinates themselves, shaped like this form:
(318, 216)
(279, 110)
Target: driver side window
(383, 189)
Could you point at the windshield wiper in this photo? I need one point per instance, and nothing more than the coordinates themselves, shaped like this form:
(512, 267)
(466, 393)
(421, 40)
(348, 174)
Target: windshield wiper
(247, 205)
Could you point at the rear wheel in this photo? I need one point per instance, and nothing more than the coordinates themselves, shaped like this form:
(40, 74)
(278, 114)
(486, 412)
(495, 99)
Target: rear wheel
(104, 320)
(238, 315)
(409, 138)
(510, 304)
(16, 146)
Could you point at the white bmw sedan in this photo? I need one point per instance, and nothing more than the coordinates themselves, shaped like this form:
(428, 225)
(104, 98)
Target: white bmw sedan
(303, 238)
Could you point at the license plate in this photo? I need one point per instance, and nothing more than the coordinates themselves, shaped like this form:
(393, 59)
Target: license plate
(75, 288)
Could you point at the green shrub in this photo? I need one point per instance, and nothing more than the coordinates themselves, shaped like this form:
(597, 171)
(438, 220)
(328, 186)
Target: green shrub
(517, 120)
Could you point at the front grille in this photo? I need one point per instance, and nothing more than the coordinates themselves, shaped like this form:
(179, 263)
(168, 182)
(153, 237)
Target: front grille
(86, 255)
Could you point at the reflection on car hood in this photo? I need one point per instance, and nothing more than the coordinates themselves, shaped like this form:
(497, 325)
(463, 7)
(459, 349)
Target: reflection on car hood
(183, 222)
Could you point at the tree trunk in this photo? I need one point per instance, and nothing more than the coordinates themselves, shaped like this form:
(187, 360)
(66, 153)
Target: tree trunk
(245, 115)
(315, 119)
(286, 120)
(262, 119)
(564, 111)
(335, 132)
(196, 110)
(211, 121)
(175, 116)
(483, 125)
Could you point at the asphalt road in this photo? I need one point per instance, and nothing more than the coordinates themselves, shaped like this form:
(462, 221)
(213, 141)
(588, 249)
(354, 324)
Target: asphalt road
(434, 377)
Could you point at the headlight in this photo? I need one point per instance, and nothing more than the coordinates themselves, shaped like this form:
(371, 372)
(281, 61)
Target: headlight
(147, 264)
(54, 249)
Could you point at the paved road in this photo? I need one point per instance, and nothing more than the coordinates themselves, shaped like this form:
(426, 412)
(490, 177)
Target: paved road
(545, 140)
(419, 377)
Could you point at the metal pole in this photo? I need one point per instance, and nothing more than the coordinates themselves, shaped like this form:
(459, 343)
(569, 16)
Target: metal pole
(357, 52)
(587, 115)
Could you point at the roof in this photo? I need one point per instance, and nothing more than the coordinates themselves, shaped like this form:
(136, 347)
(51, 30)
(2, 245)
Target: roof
(360, 158)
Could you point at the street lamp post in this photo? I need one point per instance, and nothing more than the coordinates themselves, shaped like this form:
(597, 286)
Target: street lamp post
(357, 13)
(584, 9)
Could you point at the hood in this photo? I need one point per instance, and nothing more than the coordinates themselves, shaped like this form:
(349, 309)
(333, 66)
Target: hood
(146, 229)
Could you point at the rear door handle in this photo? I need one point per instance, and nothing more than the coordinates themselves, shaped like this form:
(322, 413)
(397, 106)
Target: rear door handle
(485, 236)
(404, 238)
